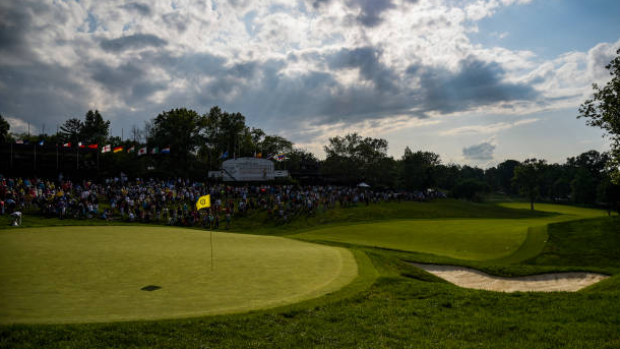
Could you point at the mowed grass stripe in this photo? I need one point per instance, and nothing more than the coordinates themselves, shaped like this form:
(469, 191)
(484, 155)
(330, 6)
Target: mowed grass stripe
(467, 239)
(95, 274)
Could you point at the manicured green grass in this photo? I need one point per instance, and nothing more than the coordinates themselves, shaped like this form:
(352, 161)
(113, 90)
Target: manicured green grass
(259, 223)
(86, 274)
(472, 239)
(408, 311)
(469, 239)
(587, 243)
(405, 308)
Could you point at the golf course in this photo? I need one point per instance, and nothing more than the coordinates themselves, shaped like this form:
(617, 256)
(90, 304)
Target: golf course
(343, 281)
(98, 274)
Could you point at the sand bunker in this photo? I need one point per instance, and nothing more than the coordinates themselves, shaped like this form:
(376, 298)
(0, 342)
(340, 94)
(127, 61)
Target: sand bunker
(471, 278)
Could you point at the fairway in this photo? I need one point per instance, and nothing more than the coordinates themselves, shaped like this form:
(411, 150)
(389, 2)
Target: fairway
(469, 239)
(96, 274)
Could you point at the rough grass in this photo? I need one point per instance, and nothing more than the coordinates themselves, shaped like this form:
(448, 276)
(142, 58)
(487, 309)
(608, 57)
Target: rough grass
(586, 243)
(95, 274)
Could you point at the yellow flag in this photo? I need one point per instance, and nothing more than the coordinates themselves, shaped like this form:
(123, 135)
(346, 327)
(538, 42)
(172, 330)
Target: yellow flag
(203, 202)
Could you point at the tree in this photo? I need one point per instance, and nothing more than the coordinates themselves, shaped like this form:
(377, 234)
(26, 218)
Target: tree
(505, 172)
(4, 130)
(353, 158)
(180, 129)
(71, 130)
(603, 111)
(94, 129)
(469, 189)
(225, 132)
(419, 169)
(527, 179)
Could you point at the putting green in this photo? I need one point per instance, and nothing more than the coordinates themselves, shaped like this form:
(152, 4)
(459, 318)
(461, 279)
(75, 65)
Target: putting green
(95, 274)
(470, 239)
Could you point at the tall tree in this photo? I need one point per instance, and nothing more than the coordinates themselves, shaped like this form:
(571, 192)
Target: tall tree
(603, 110)
(419, 169)
(4, 130)
(505, 172)
(527, 179)
(181, 130)
(353, 158)
(95, 129)
(225, 131)
(71, 130)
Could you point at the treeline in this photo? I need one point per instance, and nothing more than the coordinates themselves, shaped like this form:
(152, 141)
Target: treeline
(199, 143)
(196, 142)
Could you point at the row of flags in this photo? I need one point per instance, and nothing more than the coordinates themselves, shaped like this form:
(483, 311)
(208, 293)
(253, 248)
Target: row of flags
(141, 151)
(107, 148)
(144, 150)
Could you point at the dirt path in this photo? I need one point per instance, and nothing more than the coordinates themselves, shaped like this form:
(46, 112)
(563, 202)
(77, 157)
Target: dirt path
(471, 278)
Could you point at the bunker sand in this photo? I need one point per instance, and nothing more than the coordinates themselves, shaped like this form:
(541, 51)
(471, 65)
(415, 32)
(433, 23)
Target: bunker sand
(551, 282)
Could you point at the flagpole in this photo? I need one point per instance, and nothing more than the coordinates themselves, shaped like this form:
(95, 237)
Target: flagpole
(35, 155)
(11, 155)
(56, 157)
(211, 242)
(77, 157)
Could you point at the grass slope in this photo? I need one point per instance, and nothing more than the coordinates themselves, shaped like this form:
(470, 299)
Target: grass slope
(86, 274)
(469, 239)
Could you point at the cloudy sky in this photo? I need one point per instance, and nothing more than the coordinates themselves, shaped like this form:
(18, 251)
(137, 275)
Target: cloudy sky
(477, 81)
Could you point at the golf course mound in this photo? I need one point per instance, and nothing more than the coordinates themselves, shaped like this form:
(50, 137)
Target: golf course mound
(474, 239)
(471, 278)
(120, 273)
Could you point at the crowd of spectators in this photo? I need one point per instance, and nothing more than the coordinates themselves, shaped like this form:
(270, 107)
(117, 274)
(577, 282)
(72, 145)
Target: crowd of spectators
(173, 201)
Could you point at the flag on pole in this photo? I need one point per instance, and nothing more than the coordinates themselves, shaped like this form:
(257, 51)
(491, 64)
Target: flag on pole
(142, 151)
(93, 146)
(106, 149)
(131, 149)
(259, 155)
(203, 202)
(118, 149)
(67, 145)
(155, 150)
(165, 150)
(224, 155)
(81, 145)
(281, 157)
(42, 142)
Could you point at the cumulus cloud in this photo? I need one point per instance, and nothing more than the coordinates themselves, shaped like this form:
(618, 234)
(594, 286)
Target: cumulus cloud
(484, 129)
(313, 64)
(136, 41)
(482, 151)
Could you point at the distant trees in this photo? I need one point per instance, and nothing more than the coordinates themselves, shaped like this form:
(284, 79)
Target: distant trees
(71, 130)
(181, 129)
(527, 179)
(419, 169)
(4, 130)
(94, 130)
(353, 158)
(603, 111)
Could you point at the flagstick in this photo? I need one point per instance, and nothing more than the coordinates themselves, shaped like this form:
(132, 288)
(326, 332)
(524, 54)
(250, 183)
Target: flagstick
(211, 241)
